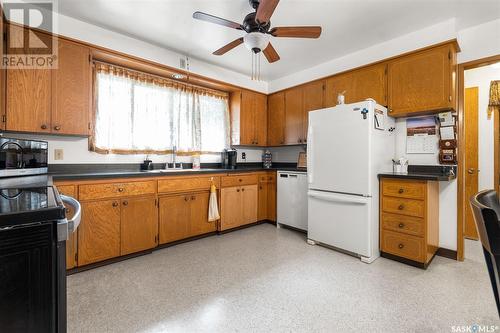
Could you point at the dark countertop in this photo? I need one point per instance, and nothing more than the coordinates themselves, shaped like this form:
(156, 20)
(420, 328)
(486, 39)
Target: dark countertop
(424, 172)
(101, 171)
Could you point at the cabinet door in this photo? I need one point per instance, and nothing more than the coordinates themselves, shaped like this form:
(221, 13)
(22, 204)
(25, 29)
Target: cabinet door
(72, 242)
(139, 224)
(247, 118)
(260, 119)
(231, 209)
(99, 231)
(28, 100)
(71, 90)
(314, 99)
(249, 198)
(263, 202)
(276, 119)
(28, 96)
(421, 82)
(359, 84)
(294, 116)
(174, 218)
(271, 201)
(199, 223)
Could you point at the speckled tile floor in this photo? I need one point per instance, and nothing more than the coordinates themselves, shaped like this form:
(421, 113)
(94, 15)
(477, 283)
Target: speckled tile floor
(264, 279)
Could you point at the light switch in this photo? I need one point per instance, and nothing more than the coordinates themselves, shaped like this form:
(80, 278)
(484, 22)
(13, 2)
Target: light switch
(58, 154)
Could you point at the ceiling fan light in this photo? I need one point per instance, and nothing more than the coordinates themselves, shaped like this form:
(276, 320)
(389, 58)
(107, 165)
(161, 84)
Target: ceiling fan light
(256, 40)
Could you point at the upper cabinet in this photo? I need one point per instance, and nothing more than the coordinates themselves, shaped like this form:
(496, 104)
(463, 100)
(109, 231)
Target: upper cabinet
(294, 118)
(423, 82)
(314, 99)
(53, 101)
(248, 118)
(358, 85)
(276, 119)
(71, 99)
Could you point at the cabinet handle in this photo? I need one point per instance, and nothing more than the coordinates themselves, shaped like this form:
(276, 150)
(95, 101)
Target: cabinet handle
(115, 204)
(401, 246)
(125, 203)
(237, 190)
(300, 140)
(120, 189)
(401, 225)
(240, 180)
(186, 198)
(44, 126)
(401, 190)
(389, 110)
(57, 127)
(401, 207)
(260, 187)
(193, 197)
(242, 190)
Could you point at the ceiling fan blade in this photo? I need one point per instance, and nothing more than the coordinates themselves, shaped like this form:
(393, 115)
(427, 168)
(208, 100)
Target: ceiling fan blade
(229, 46)
(265, 10)
(216, 20)
(297, 32)
(271, 54)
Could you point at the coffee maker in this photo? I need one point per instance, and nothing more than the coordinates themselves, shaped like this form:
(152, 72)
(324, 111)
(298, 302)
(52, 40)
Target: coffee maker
(229, 158)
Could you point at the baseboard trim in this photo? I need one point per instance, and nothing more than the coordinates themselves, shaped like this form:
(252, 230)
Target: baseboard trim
(447, 253)
(405, 261)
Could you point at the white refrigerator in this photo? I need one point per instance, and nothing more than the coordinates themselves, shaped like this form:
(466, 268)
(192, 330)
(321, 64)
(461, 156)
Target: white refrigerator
(348, 145)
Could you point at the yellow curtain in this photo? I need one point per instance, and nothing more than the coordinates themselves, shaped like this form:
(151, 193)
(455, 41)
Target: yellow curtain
(494, 103)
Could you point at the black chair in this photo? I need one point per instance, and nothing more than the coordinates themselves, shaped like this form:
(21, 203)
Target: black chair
(486, 210)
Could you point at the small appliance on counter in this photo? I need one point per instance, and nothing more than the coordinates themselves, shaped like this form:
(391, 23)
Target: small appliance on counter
(33, 234)
(147, 164)
(229, 157)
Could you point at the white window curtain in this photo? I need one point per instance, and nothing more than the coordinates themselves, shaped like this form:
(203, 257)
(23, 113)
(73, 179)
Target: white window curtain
(138, 113)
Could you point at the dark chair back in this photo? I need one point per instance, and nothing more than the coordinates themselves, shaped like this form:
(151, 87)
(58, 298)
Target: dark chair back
(486, 211)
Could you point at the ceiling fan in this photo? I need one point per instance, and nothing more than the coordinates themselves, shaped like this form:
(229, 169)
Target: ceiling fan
(257, 26)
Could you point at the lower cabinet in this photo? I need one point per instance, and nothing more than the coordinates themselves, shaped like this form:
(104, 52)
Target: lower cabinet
(99, 231)
(267, 197)
(139, 225)
(239, 206)
(183, 216)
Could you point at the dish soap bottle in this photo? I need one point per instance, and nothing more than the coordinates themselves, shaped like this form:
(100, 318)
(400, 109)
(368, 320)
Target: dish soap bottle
(267, 158)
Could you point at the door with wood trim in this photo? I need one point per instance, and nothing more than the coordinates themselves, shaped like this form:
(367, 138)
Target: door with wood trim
(471, 102)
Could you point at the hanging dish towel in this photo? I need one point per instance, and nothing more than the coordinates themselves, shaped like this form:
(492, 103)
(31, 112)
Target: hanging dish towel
(213, 209)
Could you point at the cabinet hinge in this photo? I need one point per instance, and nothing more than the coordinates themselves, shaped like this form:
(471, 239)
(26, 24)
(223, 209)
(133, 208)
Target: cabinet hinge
(5, 36)
(76, 256)
(88, 125)
(4, 118)
(385, 70)
(449, 54)
(156, 202)
(90, 58)
(449, 98)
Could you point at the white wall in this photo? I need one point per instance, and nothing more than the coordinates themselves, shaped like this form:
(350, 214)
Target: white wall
(481, 78)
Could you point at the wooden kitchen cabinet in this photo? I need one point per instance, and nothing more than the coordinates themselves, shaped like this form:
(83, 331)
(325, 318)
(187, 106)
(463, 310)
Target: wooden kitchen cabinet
(314, 99)
(276, 119)
(72, 242)
(294, 115)
(358, 84)
(99, 231)
(267, 197)
(71, 97)
(423, 82)
(239, 205)
(139, 224)
(248, 118)
(183, 216)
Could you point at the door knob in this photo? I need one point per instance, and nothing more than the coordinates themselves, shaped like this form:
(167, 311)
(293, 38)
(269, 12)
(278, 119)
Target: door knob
(471, 170)
(125, 203)
(44, 126)
(57, 127)
(115, 204)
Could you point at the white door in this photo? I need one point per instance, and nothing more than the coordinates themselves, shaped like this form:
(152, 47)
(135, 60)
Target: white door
(340, 220)
(338, 150)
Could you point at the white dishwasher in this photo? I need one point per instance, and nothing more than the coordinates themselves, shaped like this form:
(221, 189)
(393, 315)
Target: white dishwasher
(292, 199)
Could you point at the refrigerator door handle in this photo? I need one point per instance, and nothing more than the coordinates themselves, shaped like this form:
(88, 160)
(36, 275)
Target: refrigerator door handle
(334, 197)
(310, 155)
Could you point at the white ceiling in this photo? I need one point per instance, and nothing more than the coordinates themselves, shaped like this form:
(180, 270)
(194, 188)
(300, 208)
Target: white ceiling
(348, 25)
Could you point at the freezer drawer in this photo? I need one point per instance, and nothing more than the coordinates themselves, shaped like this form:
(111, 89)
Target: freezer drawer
(341, 221)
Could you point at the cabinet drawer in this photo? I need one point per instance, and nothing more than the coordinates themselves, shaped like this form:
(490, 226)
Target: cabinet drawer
(187, 184)
(406, 246)
(116, 190)
(237, 180)
(403, 206)
(403, 189)
(267, 178)
(401, 223)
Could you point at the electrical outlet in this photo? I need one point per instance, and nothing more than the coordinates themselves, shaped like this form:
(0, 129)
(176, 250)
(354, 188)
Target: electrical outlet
(243, 156)
(58, 154)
